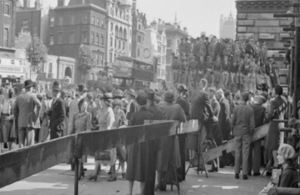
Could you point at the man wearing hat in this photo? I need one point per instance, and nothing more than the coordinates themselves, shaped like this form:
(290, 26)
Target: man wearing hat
(73, 108)
(132, 105)
(243, 125)
(26, 111)
(255, 147)
(57, 113)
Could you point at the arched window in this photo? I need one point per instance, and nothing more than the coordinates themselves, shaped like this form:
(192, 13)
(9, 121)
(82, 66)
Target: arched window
(120, 33)
(50, 68)
(117, 12)
(116, 31)
(138, 52)
(125, 34)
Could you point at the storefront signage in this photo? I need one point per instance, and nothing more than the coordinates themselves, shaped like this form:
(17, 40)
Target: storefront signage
(10, 69)
(266, 36)
(142, 75)
(122, 72)
(244, 36)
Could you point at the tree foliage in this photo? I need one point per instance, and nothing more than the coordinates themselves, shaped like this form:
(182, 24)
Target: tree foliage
(86, 59)
(36, 52)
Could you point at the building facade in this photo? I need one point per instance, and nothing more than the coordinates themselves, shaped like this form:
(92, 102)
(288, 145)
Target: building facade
(7, 26)
(174, 34)
(119, 29)
(79, 23)
(227, 27)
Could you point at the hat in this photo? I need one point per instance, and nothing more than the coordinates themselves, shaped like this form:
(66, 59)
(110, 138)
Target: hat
(82, 87)
(245, 96)
(182, 88)
(142, 100)
(169, 96)
(287, 151)
(29, 83)
(107, 98)
(56, 86)
(150, 95)
(131, 92)
(118, 94)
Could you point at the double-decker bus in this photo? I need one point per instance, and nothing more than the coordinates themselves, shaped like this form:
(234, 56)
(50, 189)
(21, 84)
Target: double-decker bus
(132, 73)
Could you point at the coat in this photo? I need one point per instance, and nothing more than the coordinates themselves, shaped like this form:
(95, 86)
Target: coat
(138, 154)
(170, 145)
(224, 116)
(243, 120)
(24, 110)
(57, 118)
(200, 108)
(184, 106)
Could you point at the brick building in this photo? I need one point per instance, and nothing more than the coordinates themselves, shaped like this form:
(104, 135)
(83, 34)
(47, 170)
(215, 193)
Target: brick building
(7, 26)
(79, 22)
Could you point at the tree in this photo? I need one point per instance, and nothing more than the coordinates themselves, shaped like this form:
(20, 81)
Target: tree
(86, 60)
(36, 53)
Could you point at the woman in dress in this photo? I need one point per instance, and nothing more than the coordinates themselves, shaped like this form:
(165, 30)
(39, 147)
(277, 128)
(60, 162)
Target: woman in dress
(81, 121)
(45, 119)
(6, 119)
(137, 154)
(106, 122)
(120, 121)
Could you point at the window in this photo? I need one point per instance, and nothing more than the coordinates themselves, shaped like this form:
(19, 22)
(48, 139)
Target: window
(159, 49)
(84, 19)
(111, 41)
(125, 34)
(52, 21)
(101, 57)
(35, 30)
(159, 60)
(25, 24)
(72, 37)
(139, 27)
(6, 37)
(169, 42)
(6, 9)
(60, 38)
(93, 20)
(102, 23)
(124, 43)
(102, 40)
(115, 57)
(120, 44)
(96, 57)
(110, 57)
(97, 21)
(115, 43)
(51, 40)
(97, 39)
(138, 52)
(84, 38)
(127, 18)
(111, 27)
(92, 37)
(72, 22)
(50, 67)
(60, 21)
(139, 39)
(12, 61)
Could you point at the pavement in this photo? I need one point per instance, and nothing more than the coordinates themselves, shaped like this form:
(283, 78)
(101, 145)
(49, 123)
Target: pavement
(59, 180)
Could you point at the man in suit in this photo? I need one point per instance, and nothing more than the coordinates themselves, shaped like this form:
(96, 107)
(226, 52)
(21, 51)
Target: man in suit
(57, 113)
(26, 111)
(132, 106)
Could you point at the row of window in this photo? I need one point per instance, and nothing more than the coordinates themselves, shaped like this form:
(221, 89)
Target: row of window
(119, 13)
(84, 20)
(6, 9)
(6, 37)
(96, 38)
(118, 43)
(119, 32)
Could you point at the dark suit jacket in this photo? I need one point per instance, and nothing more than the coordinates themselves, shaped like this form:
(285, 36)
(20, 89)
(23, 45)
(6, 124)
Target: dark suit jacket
(132, 109)
(57, 118)
(200, 108)
(184, 106)
(224, 116)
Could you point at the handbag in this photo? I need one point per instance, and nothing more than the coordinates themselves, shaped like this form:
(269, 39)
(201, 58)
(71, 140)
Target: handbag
(104, 155)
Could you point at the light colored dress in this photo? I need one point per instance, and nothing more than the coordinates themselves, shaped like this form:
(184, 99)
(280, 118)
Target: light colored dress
(106, 120)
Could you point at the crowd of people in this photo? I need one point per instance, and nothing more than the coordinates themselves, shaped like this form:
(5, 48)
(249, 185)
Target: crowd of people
(225, 63)
(29, 117)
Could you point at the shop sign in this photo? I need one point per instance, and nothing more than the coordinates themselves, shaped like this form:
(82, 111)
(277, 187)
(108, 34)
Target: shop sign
(266, 36)
(10, 69)
(142, 75)
(244, 36)
(122, 71)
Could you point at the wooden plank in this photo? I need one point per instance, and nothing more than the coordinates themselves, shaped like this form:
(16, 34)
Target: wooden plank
(22, 163)
(242, 29)
(214, 153)
(191, 126)
(245, 23)
(103, 140)
(267, 23)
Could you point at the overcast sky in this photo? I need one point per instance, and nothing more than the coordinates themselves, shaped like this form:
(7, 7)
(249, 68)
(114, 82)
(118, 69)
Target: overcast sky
(196, 15)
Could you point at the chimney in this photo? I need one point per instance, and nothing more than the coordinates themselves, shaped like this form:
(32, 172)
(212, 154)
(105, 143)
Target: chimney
(61, 2)
(185, 29)
(37, 4)
(159, 21)
(26, 3)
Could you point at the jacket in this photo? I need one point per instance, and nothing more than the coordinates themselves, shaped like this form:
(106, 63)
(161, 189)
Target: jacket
(242, 120)
(57, 118)
(224, 115)
(184, 106)
(200, 107)
(24, 110)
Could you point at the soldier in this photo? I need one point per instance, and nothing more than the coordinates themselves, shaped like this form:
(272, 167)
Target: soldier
(212, 47)
(187, 47)
(182, 48)
(220, 48)
(209, 75)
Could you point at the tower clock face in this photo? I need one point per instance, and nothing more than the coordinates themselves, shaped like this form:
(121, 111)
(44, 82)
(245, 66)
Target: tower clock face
(146, 53)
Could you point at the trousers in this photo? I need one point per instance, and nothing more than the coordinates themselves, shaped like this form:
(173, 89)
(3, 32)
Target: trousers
(255, 157)
(242, 149)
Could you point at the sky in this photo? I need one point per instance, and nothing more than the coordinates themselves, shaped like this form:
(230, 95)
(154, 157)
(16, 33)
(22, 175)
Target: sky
(196, 15)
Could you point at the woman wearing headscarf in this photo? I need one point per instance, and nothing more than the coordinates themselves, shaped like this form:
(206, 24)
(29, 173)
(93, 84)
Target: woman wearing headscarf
(81, 121)
(106, 122)
(138, 153)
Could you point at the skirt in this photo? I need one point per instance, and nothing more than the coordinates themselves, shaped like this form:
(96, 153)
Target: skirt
(6, 129)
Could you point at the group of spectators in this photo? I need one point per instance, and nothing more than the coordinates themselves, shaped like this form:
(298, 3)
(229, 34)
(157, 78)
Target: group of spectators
(225, 63)
(28, 118)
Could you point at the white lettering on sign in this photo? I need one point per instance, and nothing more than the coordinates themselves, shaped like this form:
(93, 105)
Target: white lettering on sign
(266, 36)
(10, 69)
